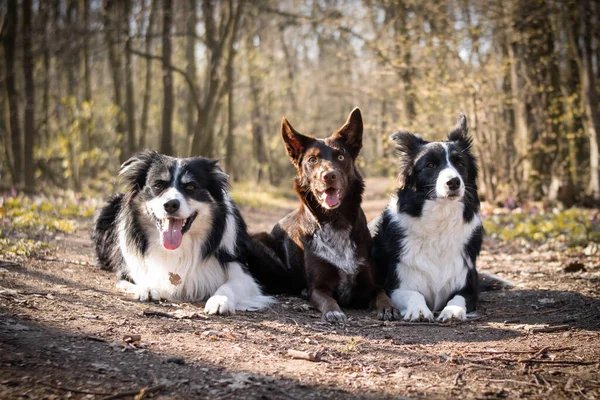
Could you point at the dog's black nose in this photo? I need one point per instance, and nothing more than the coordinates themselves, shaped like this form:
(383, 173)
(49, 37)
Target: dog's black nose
(171, 206)
(329, 176)
(453, 184)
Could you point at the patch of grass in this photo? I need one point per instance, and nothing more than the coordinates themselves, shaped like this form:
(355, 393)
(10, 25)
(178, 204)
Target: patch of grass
(262, 196)
(573, 227)
(20, 248)
(42, 214)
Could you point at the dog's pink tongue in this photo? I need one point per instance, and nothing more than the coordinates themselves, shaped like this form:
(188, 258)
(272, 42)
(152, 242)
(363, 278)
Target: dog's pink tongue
(171, 234)
(332, 197)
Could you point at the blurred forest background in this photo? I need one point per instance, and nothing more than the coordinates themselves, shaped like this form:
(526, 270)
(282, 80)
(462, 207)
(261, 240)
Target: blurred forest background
(85, 83)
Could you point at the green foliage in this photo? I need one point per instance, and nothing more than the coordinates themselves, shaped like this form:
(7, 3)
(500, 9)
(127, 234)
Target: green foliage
(573, 227)
(41, 214)
(20, 248)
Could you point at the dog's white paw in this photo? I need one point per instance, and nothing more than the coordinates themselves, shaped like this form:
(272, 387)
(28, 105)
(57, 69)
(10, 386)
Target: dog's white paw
(417, 312)
(335, 316)
(144, 293)
(219, 304)
(452, 312)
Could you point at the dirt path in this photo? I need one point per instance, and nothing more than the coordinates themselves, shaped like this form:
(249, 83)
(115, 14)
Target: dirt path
(66, 332)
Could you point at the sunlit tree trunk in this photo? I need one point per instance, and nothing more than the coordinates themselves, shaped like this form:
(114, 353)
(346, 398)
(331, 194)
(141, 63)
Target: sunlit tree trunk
(111, 26)
(166, 145)
(148, 82)
(129, 90)
(590, 95)
(29, 115)
(9, 36)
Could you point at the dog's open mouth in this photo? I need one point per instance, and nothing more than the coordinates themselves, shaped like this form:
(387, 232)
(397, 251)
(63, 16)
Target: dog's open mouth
(172, 230)
(331, 197)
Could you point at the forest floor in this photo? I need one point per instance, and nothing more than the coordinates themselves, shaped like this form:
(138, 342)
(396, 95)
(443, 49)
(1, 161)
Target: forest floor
(67, 332)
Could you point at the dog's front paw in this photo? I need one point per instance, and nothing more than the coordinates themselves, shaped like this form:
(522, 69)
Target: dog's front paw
(144, 293)
(388, 314)
(452, 312)
(334, 316)
(417, 313)
(219, 304)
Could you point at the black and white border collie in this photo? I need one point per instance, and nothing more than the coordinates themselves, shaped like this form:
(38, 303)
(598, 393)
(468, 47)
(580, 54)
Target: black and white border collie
(430, 235)
(177, 235)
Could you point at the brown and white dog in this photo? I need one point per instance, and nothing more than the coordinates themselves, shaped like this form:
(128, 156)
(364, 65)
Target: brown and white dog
(324, 246)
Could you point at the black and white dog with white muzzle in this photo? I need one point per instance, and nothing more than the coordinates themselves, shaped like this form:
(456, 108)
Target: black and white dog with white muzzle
(429, 237)
(177, 235)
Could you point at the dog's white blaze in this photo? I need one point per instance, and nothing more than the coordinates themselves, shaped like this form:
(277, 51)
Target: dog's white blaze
(230, 234)
(432, 262)
(156, 206)
(336, 247)
(445, 175)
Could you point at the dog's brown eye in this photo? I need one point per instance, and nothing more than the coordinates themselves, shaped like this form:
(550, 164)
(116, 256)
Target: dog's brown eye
(189, 188)
(312, 160)
(341, 157)
(159, 185)
(430, 165)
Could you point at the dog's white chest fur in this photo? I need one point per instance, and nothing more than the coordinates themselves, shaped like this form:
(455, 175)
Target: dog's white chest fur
(336, 247)
(432, 261)
(180, 274)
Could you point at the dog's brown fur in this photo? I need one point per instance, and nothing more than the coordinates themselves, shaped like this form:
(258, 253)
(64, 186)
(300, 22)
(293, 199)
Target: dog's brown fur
(296, 254)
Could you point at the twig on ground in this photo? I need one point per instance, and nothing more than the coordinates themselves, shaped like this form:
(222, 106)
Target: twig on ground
(4, 263)
(514, 381)
(548, 329)
(518, 351)
(75, 262)
(151, 313)
(68, 389)
(314, 356)
(138, 393)
(95, 338)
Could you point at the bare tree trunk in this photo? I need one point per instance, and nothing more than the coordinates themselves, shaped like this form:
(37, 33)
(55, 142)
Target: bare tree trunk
(520, 114)
(190, 106)
(29, 116)
(590, 96)
(166, 145)
(112, 35)
(258, 141)
(9, 36)
(147, 90)
(87, 73)
(45, 16)
(129, 92)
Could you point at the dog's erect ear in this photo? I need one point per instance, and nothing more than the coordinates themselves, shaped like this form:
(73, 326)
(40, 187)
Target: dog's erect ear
(407, 146)
(352, 132)
(460, 132)
(133, 171)
(295, 143)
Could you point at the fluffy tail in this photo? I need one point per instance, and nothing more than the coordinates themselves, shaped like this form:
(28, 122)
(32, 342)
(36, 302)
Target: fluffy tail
(488, 282)
(104, 234)
(267, 267)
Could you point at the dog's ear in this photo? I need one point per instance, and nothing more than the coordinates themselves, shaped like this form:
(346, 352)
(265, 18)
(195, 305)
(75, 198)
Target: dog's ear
(407, 146)
(218, 173)
(352, 132)
(460, 133)
(295, 143)
(133, 172)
